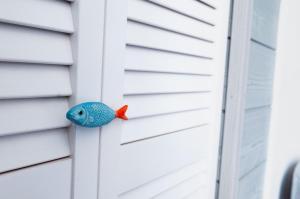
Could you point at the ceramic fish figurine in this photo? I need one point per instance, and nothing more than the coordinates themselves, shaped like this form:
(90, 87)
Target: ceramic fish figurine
(94, 114)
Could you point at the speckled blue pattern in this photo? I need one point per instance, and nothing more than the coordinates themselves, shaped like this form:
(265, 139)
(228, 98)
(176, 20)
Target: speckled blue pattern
(91, 114)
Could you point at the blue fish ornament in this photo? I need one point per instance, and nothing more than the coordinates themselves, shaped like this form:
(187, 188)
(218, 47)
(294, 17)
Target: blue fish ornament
(94, 114)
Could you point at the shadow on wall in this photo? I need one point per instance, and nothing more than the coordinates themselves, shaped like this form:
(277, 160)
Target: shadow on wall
(286, 185)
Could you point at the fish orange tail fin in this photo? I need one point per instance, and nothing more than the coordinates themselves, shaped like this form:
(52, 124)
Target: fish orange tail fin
(120, 113)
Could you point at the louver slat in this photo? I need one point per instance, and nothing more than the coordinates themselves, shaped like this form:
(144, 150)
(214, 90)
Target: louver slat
(50, 15)
(47, 181)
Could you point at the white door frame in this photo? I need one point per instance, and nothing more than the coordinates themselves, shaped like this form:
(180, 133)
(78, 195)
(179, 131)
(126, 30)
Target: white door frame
(235, 97)
(112, 95)
(87, 46)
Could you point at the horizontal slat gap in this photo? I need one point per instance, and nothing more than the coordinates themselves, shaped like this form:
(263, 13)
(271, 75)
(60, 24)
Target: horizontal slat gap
(170, 51)
(250, 171)
(207, 4)
(54, 160)
(169, 30)
(167, 72)
(258, 107)
(168, 113)
(263, 44)
(183, 14)
(164, 134)
(162, 93)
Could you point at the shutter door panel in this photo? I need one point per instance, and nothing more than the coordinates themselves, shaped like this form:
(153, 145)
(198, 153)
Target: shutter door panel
(35, 86)
(158, 156)
(143, 59)
(34, 80)
(259, 98)
(18, 151)
(164, 183)
(47, 181)
(172, 79)
(22, 44)
(50, 15)
(173, 59)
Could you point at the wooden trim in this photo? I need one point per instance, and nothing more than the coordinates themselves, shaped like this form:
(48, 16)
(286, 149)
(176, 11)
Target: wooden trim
(87, 44)
(112, 95)
(235, 99)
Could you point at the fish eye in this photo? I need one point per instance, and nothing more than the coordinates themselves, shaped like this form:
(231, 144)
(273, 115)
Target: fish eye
(80, 112)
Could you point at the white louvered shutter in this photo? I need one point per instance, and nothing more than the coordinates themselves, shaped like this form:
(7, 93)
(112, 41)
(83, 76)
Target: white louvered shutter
(166, 60)
(35, 57)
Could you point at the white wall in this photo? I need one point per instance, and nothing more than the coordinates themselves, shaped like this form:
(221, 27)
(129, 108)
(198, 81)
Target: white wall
(284, 140)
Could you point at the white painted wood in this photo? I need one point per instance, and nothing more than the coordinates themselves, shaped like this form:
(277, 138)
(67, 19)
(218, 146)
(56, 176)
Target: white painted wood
(265, 20)
(199, 193)
(112, 95)
(184, 188)
(137, 129)
(159, 185)
(259, 94)
(148, 82)
(235, 101)
(168, 76)
(146, 36)
(87, 45)
(213, 3)
(147, 160)
(48, 181)
(143, 59)
(33, 80)
(250, 190)
(20, 44)
(150, 105)
(155, 15)
(23, 150)
(256, 126)
(51, 15)
(217, 94)
(194, 9)
(28, 115)
(252, 156)
(260, 77)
